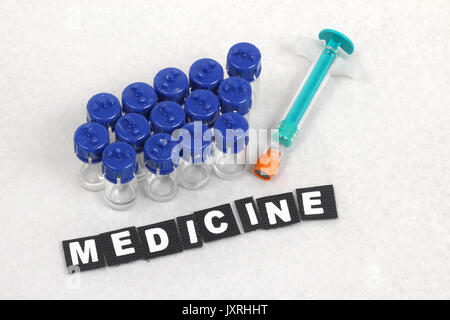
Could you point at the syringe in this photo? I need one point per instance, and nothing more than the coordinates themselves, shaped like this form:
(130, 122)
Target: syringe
(269, 162)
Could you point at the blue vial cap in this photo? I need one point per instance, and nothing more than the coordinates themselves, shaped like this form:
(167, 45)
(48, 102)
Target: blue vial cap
(90, 139)
(205, 74)
(134, 129)
(244, 60)
(171, 84)
(231, 132)
(139, 97)
(167, 116)
(195, 139)
(202, 105)
(104, 108)
(235, 94)
(159, 153)
(119, 161)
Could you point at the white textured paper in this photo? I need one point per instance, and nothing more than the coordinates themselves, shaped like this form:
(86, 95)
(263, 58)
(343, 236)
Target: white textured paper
(382, 142)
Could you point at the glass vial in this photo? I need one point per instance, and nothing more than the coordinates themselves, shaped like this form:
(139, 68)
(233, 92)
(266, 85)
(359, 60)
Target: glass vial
(91, 175)
(194, 170)
(161, 157)
(142, 172)
(244, 60)
(171, 84)
(202, 105)
(231, 139)
(235, 95)
(119, 168)
(90, 139)
(139, 97)
(205, 74)
(166, 117)
(134, 129)
(104, 108)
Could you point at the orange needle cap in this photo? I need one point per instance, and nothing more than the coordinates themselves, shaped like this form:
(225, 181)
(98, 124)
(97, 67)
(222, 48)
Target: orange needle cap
(268, 164)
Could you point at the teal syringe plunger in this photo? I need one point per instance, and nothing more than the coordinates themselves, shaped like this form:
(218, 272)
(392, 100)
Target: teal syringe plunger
(269, 162)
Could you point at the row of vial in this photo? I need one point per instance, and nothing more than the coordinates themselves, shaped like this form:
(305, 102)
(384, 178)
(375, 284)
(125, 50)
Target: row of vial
(161, 160)
(155, 144)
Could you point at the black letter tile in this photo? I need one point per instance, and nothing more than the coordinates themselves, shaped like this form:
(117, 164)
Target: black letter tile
(244, 215)
(95, 247)
(277, 202)
(169, 228)
(323, 203)
(224, 226)
(184, 234)
(133, 244)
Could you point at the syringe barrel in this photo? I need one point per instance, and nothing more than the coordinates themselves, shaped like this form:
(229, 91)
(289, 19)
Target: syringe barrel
(305, 96)
(283, 137)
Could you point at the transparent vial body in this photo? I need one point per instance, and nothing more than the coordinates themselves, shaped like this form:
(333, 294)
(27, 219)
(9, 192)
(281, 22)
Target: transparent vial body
(229, 165)
(193, 174)
(161, 187)
(112, 134)
(247, 115)
(256, 92)
(142, 171)
(91, 175)
(120, 196)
